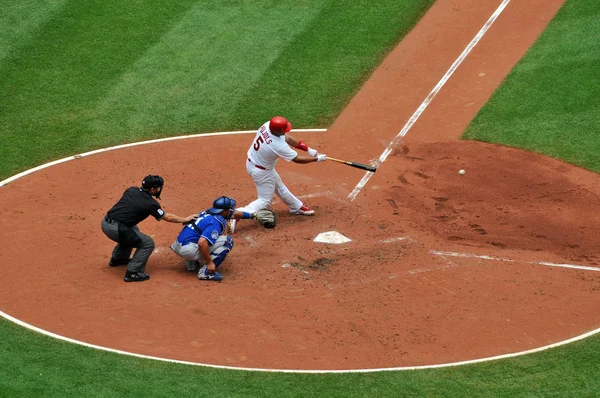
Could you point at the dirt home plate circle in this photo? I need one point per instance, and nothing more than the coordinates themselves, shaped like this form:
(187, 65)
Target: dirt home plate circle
(431, 269)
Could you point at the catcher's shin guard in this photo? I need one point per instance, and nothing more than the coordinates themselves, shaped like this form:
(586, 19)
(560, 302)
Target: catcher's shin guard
(221, 248)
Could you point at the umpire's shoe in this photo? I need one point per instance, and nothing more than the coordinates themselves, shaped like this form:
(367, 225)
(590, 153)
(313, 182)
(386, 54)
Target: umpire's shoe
(136, 276)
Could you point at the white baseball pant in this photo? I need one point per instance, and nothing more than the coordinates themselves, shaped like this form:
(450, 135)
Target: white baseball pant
(268, 183)
(218, 251)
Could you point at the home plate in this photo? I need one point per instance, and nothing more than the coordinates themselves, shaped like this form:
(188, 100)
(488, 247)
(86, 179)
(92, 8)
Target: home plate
(331, 237)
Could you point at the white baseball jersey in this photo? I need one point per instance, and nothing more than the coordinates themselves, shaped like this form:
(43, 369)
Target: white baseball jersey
(267, 148)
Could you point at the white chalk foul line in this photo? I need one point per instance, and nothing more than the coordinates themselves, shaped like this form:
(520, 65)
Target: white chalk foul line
(483, 257)
(429, 98)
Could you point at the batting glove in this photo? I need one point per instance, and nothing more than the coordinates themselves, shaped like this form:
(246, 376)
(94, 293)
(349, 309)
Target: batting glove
(312, 152)
(321, 157)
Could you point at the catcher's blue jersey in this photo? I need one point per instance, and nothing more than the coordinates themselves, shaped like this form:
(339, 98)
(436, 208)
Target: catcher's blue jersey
(211, 226)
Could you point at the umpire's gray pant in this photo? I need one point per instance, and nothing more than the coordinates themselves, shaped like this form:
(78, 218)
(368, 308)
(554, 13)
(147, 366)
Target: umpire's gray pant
(143, 249)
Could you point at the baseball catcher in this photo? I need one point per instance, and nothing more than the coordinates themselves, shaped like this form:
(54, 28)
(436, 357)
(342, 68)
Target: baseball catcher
(204, 242)
(265, 218)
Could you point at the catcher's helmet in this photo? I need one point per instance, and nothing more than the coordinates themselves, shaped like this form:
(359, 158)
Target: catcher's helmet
(279, 124)
(222, 203)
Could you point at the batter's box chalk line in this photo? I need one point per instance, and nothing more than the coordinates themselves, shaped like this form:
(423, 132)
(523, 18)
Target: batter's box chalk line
(494, 258)
(393, 240)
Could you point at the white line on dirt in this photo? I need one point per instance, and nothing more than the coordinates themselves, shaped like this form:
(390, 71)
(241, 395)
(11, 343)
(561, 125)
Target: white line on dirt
(326, 194)
(314, 195)
(413, 119)
(398, 239)
(483, 257)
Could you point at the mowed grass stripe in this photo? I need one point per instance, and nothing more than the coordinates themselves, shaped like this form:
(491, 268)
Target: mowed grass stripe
(317, 74)
(205, 68)
(50, 87)
(20, 19)
(194, 77)
(550, 102)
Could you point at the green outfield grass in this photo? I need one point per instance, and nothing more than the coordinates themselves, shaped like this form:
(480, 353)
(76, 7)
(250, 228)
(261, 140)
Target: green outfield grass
(77, 76)
(82, 75)
(550, 103)
(39, 366)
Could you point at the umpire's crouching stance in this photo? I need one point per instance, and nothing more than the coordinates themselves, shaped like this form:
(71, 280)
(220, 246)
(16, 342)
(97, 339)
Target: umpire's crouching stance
(120, 225)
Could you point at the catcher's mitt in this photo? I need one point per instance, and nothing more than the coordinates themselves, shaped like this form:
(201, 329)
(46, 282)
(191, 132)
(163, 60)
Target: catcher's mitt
(265, 218)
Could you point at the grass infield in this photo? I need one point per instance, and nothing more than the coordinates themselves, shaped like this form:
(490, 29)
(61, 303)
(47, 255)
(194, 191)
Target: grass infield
(81, 75)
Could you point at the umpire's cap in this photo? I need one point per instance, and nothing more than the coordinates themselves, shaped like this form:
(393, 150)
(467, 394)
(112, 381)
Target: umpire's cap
(222, 203)
(152, 181)
(279, 124)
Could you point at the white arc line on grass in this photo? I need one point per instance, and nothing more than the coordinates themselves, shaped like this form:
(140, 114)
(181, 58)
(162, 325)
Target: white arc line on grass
(482, 257)
(441, 365)
(429, 98)
(155, 141)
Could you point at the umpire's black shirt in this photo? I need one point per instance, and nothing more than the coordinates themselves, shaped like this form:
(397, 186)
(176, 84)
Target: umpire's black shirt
(134, 207)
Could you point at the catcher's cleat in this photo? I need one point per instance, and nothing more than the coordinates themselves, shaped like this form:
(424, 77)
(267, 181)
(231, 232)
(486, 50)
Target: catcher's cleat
(192, 265)
(204, 275)
(232, 224)
(303, 211)
(115, 263)
(136, 276)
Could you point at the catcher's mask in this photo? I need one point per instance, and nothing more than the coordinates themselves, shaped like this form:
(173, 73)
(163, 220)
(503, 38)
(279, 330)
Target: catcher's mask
(222, 203)
(153, 181)
(279, 124)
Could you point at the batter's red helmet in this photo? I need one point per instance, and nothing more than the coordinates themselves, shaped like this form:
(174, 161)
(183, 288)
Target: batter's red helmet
(280, 124)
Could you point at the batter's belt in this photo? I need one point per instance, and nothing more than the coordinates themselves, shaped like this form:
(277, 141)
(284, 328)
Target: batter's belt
(255, 165)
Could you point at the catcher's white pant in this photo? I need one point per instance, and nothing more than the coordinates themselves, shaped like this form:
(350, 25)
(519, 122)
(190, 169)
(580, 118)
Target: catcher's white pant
(268, 183)
(218, 251)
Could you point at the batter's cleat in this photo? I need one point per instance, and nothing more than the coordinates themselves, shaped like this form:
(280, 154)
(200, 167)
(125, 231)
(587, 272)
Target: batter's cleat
(192, 265)
(303, 211)
(115, 263)
(232, 224)
(204, 275)
(136, 276)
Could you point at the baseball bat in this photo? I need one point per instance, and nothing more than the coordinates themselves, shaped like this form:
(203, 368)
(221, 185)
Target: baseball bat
(354, 164)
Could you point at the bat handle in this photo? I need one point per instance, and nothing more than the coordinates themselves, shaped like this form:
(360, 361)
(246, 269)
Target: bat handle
(335, 160)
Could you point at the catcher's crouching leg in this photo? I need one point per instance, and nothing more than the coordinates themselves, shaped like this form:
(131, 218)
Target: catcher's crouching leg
(221, 248)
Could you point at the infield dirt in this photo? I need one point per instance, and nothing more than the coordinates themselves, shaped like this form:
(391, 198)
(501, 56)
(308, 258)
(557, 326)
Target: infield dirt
(393, 296)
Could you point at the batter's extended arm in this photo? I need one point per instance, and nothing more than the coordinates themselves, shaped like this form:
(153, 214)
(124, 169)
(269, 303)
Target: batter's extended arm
(292, 141)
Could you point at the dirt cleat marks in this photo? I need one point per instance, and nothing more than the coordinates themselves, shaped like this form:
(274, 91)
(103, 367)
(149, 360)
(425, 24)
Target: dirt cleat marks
(392, 203)
(478, 229)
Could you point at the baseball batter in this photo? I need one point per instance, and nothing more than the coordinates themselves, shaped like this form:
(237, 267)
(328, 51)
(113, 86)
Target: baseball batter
(269, 144)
